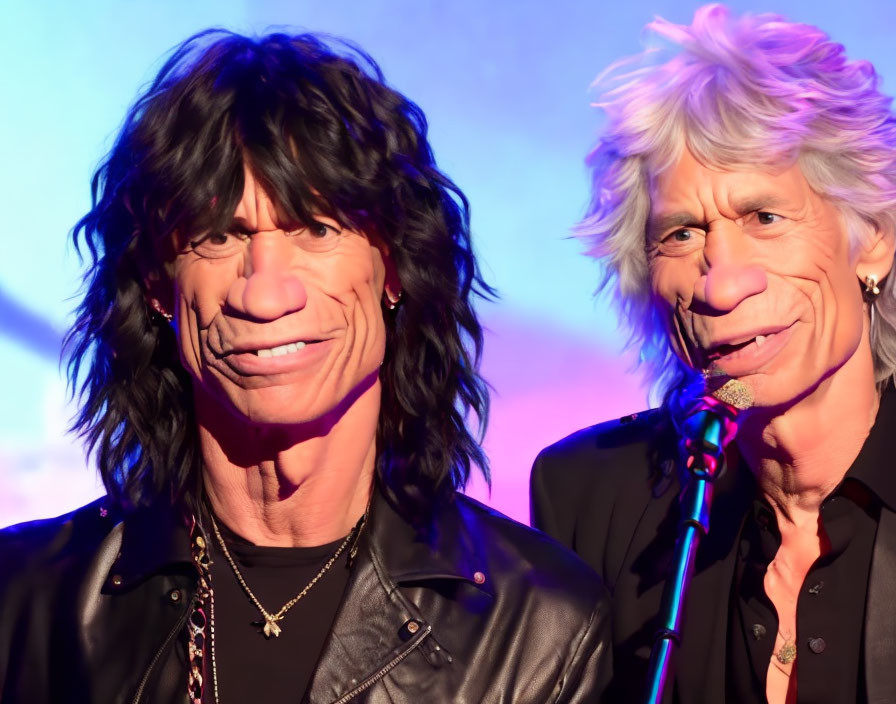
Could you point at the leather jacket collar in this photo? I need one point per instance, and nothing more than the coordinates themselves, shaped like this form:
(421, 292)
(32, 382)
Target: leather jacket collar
(439, 614)
(157, 539)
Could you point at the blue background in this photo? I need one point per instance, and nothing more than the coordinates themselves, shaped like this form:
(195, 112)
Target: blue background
(505, 86)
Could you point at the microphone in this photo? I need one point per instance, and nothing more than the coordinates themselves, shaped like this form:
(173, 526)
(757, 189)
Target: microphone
(704, 411)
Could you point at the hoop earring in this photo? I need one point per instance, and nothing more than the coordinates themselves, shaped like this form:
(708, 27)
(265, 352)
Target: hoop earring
(157, 308)
(391, 298)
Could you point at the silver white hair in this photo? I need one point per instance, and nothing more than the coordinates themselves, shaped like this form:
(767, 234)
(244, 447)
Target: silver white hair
(738, 92)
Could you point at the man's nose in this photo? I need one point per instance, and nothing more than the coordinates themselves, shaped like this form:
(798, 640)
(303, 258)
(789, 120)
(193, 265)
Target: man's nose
(730, 276)
(269, 287)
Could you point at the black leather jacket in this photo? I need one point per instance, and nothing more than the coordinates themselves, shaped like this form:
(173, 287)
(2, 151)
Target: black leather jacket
(93, 610)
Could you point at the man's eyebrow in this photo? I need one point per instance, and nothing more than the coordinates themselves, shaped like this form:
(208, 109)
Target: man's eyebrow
(759, 201)
(240, 226)
(742, 206)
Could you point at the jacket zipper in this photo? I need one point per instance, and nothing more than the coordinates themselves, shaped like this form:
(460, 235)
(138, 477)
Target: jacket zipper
(377, 676)
(177, 627)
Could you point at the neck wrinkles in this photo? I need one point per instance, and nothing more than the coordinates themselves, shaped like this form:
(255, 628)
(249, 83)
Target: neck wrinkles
(800, 455)
(290, 486)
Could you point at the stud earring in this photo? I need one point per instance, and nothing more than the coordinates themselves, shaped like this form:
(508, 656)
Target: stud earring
(157, 307)
(392, 298)
(872, 290)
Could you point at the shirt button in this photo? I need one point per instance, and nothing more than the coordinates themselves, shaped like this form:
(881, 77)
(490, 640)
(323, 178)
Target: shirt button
(116, 580)
(174, 595)
(817, 645)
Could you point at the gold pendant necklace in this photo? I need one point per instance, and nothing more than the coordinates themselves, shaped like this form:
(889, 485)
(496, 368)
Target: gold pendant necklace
(201, 621)
(787, 652)
(270, 627)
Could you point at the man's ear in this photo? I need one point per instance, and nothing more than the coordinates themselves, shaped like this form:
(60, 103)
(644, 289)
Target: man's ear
(876, 254)
(158, 290)
(392, 290)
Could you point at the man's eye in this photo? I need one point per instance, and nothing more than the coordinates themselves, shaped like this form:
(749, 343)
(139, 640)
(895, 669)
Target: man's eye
(212, 238)
(317, 236)
(766, 218)
(216, 244)
(319, 229)
(682, 235)
(680, 242)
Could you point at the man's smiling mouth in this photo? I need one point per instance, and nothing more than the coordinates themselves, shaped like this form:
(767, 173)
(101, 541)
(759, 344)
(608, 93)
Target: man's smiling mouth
(745, 354)
(726, 350)
(280, 350)
(278, 359)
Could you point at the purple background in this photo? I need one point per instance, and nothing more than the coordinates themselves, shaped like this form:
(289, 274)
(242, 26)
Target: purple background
(505, 87)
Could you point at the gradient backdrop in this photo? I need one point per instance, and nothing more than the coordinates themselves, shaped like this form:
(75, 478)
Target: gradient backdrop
(505, 87)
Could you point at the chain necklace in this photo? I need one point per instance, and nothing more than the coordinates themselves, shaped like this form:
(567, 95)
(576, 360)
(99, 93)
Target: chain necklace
(204, 598)
(270, 620)
(198, 621)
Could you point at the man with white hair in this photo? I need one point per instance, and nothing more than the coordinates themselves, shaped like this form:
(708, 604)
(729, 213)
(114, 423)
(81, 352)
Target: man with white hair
(743, 210)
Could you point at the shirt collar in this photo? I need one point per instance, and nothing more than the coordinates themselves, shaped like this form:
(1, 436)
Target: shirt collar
(874, 466)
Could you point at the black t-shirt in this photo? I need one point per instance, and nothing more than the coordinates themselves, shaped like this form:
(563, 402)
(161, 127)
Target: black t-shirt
(249, 666)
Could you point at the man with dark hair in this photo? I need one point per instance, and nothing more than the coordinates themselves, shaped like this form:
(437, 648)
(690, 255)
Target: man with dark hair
(272, 356)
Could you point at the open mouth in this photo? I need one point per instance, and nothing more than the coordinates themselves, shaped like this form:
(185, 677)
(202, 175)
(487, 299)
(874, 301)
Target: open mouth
(727, 351)
(280, 350)
(276, 351)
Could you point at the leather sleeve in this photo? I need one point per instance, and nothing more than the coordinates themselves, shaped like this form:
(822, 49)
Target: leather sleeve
(550, 511)
(591, 667)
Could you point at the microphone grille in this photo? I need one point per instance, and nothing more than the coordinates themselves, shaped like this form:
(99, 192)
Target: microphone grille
(735, 393)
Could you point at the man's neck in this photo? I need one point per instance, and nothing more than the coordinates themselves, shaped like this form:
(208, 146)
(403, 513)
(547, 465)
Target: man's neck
(799, 456)
(290, 486)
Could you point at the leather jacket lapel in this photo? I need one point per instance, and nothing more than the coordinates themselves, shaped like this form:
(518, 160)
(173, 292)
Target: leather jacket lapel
(378, 626)
(128, 624)
(880, 634)
(374, 630)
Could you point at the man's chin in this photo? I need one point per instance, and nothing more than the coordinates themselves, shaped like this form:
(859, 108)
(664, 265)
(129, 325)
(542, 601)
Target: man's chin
(279, 406)
(311, 404)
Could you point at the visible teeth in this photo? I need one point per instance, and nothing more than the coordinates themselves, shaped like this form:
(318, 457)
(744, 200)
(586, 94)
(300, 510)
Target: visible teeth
(280, 350)
(760, 340)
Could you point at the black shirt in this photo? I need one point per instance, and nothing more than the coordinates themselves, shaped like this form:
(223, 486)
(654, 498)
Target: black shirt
(253, 668)
(831, 603)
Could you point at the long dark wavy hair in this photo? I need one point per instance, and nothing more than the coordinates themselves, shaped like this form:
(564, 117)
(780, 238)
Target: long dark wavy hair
(323, 134)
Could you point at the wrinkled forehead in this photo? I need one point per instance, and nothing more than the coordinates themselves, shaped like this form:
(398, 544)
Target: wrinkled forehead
(719, 157)
(677, 175)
